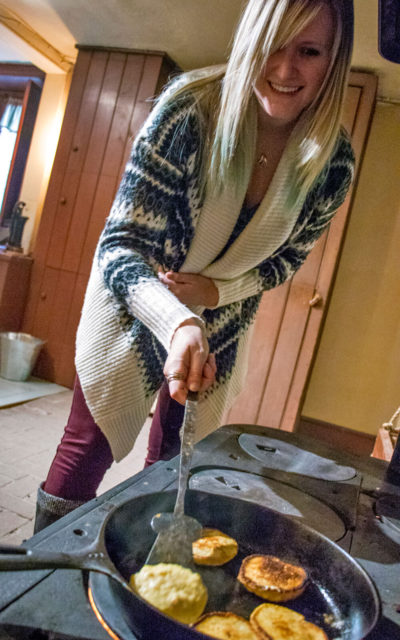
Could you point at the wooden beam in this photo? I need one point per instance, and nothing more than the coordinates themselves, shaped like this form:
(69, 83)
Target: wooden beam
(21, 36)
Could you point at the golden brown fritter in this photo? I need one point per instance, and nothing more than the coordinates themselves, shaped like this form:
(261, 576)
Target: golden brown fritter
(275, 622)
(225, 626)
(214, 548)
(271, 578)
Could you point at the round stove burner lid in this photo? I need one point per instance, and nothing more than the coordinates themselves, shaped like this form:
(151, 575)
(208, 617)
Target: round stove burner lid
(285, 456)
(273, 494)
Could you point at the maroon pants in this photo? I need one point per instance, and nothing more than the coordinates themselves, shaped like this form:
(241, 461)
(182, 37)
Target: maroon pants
(164, 440)
(84, 455)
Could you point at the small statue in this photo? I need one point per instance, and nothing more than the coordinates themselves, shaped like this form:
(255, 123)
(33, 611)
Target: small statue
(17, 224)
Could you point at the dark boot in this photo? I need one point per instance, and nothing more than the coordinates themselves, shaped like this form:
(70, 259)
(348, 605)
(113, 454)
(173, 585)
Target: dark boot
(50, 508)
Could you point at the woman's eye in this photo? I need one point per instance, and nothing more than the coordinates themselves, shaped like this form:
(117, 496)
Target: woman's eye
(310, 51)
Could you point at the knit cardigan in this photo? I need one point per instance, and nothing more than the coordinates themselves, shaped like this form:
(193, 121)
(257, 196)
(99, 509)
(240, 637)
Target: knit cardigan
(160, 219)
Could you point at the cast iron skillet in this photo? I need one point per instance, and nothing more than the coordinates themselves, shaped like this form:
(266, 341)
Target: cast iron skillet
(340, 597)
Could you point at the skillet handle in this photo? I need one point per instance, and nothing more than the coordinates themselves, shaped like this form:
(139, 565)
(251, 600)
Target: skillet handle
(16, 558)
(22, 559)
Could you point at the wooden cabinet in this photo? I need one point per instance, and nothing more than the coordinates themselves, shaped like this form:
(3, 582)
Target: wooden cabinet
(290, 318)
(15, 270)
(109, 99)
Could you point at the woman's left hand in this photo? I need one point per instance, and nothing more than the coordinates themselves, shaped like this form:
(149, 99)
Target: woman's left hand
(191, 288)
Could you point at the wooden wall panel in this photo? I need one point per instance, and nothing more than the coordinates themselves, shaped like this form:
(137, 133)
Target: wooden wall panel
(44, 307)
(102, 202)
(77, 157)
(152, 67)
(120, 131)
(110, 96)
(66, 361)
(62, 216)
(87, 112)
(48, 367)
(103, 116)
(45, 234)
(74, 240)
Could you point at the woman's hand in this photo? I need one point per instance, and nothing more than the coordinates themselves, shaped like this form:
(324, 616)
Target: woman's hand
(189, 364)
(191, 288)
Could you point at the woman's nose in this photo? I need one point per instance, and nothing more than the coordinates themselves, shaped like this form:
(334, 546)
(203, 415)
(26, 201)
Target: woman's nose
(284, 63)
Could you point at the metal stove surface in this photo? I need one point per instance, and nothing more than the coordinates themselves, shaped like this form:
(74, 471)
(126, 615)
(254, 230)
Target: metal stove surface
(286, 456)
(274, 494)
(361, 509)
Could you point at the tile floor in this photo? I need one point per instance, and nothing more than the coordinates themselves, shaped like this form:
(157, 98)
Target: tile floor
(29, 435)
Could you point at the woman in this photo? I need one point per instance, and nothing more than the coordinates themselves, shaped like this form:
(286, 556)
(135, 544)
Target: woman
(235, 175)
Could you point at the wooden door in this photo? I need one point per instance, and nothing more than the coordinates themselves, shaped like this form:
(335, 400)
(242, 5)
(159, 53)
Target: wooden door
(109, 99)
(290, 318)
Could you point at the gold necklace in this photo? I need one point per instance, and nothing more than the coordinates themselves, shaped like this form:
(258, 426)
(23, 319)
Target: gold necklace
(262, 160)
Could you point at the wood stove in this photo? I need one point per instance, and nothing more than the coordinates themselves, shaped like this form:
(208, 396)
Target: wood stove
(347, 498)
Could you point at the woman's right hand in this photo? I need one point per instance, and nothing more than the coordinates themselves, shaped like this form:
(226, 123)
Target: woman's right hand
(189, 361)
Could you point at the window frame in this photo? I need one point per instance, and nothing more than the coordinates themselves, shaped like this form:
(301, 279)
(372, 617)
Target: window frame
(26, 80)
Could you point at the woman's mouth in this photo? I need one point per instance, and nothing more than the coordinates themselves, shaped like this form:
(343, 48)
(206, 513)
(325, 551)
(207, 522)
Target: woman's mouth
(279, 88)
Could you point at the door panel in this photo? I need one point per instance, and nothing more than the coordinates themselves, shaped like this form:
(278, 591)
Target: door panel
(265, 335)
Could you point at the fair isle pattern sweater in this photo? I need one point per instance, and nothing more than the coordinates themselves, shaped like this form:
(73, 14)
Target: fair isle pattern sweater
(159, 219)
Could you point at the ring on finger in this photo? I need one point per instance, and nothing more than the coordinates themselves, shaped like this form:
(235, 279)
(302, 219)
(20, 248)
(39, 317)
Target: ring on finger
(176, 375)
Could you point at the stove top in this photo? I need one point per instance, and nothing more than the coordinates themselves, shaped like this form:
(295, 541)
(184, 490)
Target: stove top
(286, 456)
(277, 495)
(342, 496)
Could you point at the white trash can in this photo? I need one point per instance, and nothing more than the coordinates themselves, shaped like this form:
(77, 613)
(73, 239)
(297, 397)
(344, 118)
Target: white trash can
(18, 354)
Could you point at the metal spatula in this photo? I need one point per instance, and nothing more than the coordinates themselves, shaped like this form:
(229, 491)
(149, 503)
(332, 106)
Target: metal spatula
(176, 531)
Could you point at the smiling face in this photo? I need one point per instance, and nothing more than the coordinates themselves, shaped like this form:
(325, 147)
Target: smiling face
(293, 75)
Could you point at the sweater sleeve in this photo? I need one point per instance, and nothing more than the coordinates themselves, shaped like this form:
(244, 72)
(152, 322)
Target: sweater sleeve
(132, 244)
(317, 212)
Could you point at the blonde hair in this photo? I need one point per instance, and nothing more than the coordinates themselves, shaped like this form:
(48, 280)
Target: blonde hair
(224, 92)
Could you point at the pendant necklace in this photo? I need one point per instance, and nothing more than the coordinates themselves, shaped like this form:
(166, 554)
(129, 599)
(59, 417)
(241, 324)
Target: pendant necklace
(262, 160)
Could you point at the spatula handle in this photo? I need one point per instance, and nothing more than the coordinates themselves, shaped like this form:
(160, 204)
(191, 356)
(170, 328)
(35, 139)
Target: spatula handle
(187, 445)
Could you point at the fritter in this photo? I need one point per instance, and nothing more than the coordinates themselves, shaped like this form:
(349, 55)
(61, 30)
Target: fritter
(272, 579)
(225, 626)
(214, 548)
(176, 591)
(275, 622)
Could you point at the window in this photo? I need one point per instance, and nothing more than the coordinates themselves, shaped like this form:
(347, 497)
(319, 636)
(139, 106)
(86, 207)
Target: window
(20, 90)
(9, 123)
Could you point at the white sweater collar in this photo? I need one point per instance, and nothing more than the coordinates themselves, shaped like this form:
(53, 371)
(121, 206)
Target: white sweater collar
(267, 230)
